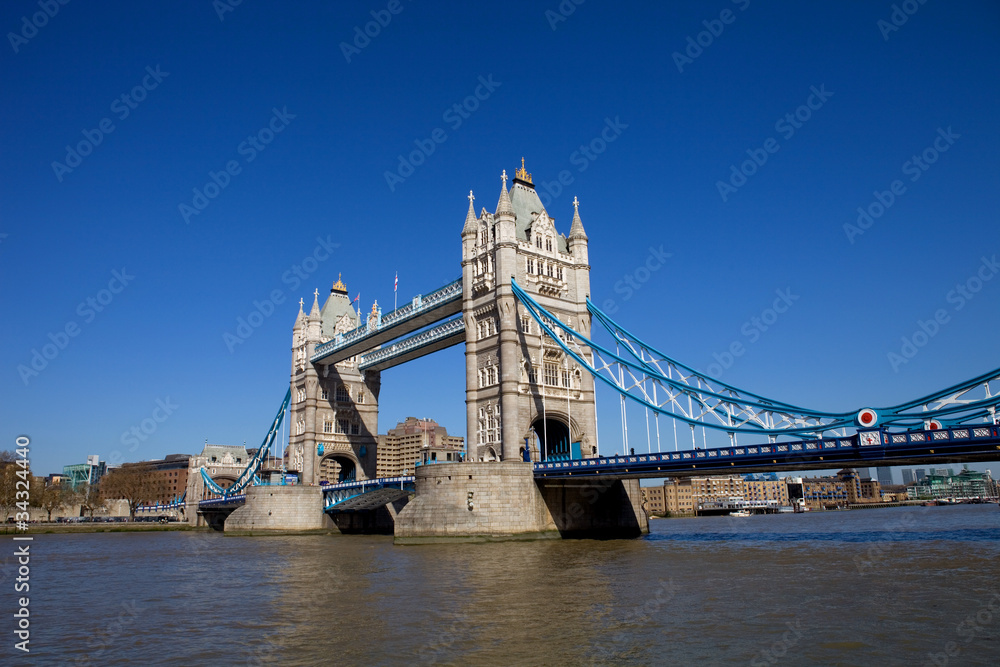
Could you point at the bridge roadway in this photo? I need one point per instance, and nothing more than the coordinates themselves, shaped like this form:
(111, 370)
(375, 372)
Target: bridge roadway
(422, 311)
(964, 444)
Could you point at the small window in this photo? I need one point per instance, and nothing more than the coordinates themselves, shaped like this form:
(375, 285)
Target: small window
(343, 395)
(327, 426)
(324, 393)
(548, 244)
(361, 395)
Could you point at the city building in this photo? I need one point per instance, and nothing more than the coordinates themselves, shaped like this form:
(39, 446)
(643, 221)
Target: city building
(653, 500)
(168, 477)
(415, 442)
(966, 484)
(81, 475)
(921, 474)
(894, 493)
(683, 496)
(908, 476)
(765, 489)
(884, 474)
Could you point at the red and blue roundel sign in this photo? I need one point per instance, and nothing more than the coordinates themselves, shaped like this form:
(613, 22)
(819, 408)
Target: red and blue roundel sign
(867, 418)
(932, 425)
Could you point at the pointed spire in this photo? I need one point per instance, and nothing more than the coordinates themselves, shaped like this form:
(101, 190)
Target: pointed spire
(576, 229)
(503, 206)
(301, 317)
(471, 224)
(314, 313)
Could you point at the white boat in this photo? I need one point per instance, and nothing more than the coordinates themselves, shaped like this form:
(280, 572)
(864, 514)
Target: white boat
(740, 513)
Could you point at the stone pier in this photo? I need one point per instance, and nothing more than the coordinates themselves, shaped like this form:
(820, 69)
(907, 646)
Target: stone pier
(276, 509)
(502, 500)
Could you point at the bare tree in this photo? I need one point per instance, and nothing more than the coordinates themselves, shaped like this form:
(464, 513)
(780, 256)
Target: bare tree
(8, 483)
(54, 497)
(132, 482)
(91, 499)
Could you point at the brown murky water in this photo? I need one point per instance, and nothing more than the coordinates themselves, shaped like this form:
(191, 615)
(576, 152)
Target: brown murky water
(875, 587)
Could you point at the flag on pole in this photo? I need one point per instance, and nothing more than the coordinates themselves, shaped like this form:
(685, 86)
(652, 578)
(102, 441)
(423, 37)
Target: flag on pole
(396, 286)
(357, 297)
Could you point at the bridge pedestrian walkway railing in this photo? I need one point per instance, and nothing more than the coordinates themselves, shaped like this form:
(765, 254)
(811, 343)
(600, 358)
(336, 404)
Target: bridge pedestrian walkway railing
(418, 305)
(980, 441)
(334, 494)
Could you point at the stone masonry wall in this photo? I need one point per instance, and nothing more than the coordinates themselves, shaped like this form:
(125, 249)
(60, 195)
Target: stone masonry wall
(279, 508)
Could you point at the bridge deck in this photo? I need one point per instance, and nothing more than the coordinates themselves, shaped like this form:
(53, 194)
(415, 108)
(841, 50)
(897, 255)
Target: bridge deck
(421, 312)
(437, 338)
(954, 445)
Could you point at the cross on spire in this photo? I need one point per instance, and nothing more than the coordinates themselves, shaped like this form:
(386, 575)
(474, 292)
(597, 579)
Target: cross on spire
(576, 203)
(301, 302)
(316, 293)
(503, 176)
(471, 198)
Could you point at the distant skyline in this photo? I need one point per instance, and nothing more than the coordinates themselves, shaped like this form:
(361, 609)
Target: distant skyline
(800, 200)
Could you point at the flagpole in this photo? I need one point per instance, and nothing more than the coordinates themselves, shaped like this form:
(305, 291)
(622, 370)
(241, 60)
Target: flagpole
(395, 289)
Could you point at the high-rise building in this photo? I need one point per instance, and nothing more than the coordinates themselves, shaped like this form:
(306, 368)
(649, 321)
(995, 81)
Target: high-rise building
(884, 475)
(908, 476)
(415, 442)
(863, 473)
(921, 473)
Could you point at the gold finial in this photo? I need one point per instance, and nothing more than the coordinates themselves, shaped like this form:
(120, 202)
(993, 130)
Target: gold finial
(339, 286)
(522, 174)
(375, 308)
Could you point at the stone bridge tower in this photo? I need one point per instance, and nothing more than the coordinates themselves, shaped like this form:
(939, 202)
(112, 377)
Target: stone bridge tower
(520, 386)
(333, 413)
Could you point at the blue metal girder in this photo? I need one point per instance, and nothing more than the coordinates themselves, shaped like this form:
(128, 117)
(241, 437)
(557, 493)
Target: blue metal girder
(334, 494)
(419, 313)
(972, 443)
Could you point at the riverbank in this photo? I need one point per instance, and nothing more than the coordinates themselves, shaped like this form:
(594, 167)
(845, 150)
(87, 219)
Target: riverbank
(47, 528)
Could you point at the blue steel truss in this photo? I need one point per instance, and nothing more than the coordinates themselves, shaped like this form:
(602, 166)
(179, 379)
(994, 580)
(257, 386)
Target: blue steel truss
(643, 374)
(249, 474)
(172, 505)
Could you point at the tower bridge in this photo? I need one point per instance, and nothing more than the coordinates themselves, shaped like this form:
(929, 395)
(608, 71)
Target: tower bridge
(534, 357)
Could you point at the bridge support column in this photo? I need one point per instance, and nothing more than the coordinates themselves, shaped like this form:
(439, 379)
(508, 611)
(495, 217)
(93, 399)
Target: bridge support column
(270, 509)
(502, 500)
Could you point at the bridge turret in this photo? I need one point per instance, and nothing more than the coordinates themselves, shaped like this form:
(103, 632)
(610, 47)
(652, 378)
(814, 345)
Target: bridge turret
(315, 322)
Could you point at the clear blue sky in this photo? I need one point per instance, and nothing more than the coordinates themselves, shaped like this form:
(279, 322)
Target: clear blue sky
(554, 86)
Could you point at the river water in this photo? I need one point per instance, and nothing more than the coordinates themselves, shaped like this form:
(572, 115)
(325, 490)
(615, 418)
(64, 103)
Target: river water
(901, 586)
